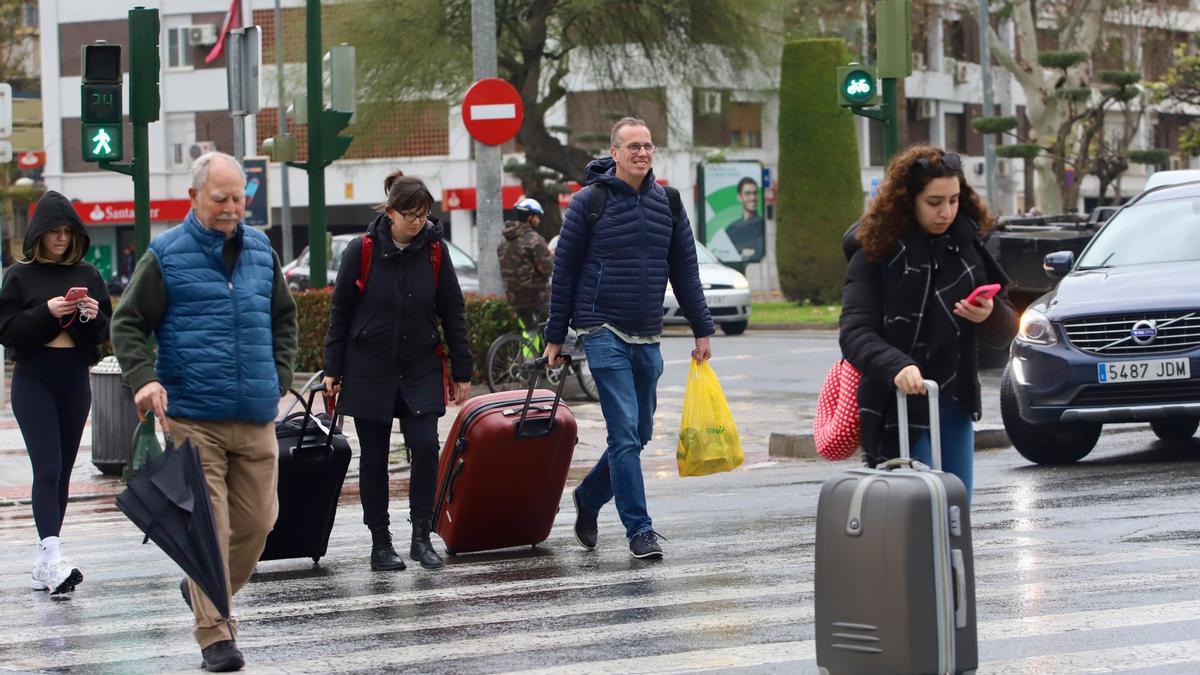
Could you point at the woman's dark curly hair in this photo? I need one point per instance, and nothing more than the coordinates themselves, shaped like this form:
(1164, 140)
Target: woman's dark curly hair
(893, 211)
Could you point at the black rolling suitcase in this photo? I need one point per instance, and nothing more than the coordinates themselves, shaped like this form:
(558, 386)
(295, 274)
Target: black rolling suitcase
(313, 458)
(895, 572)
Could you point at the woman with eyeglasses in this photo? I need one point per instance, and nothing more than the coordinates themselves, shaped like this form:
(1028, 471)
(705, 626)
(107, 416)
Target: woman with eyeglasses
(54, 313)
(383, 355)
(915, 258)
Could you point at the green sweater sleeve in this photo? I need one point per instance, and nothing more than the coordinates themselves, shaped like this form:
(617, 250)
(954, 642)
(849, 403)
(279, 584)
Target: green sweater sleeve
(284, 329)
(142, 307)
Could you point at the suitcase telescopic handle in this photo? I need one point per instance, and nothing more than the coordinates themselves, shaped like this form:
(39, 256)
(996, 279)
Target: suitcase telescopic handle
(535, 370)
(935, 426)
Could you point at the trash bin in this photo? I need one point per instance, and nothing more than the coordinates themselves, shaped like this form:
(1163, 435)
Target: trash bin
(114, 418)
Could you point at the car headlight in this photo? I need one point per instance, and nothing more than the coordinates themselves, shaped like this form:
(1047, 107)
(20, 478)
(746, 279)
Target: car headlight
(1036, 329)
(740, 281)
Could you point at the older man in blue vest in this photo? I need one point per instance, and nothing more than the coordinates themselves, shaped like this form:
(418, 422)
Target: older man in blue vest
(212, 292)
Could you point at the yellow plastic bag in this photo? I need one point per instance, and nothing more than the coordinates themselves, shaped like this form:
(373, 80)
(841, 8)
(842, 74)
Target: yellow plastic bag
(708, 437)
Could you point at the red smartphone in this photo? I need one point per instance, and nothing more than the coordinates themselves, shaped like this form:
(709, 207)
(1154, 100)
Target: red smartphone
(986, 291)
(76, 293)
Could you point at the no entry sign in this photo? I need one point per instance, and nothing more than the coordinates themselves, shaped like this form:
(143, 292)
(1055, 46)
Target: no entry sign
(492, 111)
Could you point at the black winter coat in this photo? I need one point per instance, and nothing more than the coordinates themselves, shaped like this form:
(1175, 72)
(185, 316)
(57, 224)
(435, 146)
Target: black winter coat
(385, 340)
(883, 305)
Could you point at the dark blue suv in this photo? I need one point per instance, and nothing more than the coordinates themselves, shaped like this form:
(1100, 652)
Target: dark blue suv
(1118, 340)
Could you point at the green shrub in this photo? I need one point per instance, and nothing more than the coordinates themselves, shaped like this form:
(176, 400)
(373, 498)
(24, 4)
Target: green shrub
(488, 317)
(820, 189)
(312, 313)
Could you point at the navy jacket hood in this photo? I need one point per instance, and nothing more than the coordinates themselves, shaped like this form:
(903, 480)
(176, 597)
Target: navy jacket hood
(604, 170)
(53, 210)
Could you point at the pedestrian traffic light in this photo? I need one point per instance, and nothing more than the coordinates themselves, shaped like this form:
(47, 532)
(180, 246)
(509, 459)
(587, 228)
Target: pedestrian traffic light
(144, 65)
(101, 107)
(857, 85)
(334, 146)
(281, 149)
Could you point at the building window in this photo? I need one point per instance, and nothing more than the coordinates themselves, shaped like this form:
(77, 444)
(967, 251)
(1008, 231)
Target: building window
(29, 14)
(875, 142)
(591, 114)
(720, 121)
(179, 48)
(956, 132)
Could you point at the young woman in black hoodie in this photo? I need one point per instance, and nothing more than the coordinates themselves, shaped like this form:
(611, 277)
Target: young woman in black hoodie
(381, 353)
(53, 340)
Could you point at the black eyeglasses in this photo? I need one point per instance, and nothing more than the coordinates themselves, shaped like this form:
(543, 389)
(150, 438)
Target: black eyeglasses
(951, 163)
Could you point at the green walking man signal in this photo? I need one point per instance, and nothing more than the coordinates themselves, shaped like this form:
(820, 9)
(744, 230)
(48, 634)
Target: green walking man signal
(101, 107)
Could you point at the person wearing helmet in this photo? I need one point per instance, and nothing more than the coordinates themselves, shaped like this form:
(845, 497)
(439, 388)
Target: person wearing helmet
(525, 264)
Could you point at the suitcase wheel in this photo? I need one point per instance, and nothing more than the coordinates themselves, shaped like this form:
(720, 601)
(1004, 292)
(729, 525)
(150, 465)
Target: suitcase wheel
(316, 561)
(451, 552)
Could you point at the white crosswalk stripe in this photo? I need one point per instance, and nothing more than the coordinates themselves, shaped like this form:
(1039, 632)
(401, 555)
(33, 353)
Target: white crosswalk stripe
(561, 609)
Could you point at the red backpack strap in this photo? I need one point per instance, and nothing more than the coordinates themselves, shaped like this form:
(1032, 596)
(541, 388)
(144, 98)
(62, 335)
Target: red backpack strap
(435, 259)
(364, 262)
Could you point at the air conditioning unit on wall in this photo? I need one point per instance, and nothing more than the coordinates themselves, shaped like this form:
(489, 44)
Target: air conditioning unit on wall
(183, 154)
(960, 73)
(926, 108)
(202, 34)
(918, 60)
(710, 103)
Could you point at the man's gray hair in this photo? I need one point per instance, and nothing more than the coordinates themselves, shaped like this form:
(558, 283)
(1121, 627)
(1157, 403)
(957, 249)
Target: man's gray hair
(203, 162)
(621, 124)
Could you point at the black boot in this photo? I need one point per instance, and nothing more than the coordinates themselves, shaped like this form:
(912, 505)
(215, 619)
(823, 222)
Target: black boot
(422, 549)
(383, 556)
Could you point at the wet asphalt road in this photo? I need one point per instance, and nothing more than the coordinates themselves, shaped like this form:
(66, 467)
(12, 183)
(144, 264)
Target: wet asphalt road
(1093, 567)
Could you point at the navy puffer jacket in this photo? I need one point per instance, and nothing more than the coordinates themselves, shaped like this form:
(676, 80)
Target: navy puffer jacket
(616, 270)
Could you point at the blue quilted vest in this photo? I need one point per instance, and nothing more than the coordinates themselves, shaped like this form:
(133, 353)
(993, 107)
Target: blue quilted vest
(216, 355)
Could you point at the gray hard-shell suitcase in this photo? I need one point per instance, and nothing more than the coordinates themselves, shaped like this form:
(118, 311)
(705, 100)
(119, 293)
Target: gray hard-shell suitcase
(895, 573)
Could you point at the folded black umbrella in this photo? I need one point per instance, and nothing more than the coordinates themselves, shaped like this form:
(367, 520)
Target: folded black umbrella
(168, 500)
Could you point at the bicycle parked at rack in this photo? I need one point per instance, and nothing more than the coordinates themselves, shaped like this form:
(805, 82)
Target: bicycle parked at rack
(508, 355)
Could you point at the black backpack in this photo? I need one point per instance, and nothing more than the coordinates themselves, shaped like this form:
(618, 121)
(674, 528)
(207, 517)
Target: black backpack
(599, 196)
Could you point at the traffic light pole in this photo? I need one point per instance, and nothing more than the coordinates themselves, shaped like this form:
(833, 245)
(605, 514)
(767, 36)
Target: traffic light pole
(885, 114)
(317, 253)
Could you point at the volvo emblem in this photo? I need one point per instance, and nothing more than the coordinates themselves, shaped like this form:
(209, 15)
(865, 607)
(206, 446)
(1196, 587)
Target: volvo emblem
(1144, 332)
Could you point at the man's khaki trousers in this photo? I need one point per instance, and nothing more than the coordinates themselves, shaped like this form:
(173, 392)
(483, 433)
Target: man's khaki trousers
(240, 463)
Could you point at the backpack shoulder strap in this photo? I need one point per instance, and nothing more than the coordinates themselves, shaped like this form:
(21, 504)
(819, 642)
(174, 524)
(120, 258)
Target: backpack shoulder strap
(435, 259)
(365, 256)
(596, 199)
(676, 203)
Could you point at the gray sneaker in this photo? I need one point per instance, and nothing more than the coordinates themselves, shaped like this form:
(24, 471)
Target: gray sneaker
(61, 576)
(644, 545)
(586, 529)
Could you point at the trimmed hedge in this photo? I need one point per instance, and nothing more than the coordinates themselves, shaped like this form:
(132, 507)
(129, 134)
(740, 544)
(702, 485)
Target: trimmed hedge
(820, 188)
(488, 317)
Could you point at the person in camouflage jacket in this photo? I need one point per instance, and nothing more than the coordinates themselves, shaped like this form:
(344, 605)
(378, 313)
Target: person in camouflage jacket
(525, 264)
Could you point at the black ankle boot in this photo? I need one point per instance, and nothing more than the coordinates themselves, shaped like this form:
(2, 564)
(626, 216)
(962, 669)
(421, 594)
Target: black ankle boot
(383, 556)
(422, 549)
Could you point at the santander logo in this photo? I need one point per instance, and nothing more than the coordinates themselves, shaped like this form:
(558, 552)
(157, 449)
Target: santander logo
(97, 213)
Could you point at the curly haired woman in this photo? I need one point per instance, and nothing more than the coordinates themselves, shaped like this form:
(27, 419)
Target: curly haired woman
(915, 256)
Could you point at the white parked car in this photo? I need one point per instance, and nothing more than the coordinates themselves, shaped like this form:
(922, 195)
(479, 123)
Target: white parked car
(725, 289)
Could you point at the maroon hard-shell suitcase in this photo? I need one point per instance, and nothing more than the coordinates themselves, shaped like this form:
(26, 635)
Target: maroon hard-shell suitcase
(502, 471)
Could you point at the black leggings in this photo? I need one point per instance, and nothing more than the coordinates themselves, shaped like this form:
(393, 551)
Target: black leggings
(51, 395)
(420, 437)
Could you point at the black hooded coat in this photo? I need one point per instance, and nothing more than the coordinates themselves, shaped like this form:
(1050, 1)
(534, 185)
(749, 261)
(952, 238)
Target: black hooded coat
(898, 312)
(385, 340)
(25, 319)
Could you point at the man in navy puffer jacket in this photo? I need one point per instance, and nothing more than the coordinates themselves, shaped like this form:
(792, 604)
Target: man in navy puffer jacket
(608, 284)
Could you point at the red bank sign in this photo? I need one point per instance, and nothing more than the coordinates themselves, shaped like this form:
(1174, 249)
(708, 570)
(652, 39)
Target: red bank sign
(114, 213)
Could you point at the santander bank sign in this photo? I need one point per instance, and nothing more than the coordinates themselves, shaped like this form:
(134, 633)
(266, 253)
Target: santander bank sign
(119, 213)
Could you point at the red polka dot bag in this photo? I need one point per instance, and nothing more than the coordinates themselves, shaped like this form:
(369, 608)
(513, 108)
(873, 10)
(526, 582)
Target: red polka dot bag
(836, 425)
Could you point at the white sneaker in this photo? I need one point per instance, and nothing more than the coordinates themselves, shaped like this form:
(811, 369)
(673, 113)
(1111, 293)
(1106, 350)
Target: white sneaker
(38, 583)
(61, 576)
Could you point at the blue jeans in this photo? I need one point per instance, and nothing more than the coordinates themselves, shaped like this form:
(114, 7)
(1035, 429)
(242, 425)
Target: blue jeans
(627, 377)
(958, 442)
